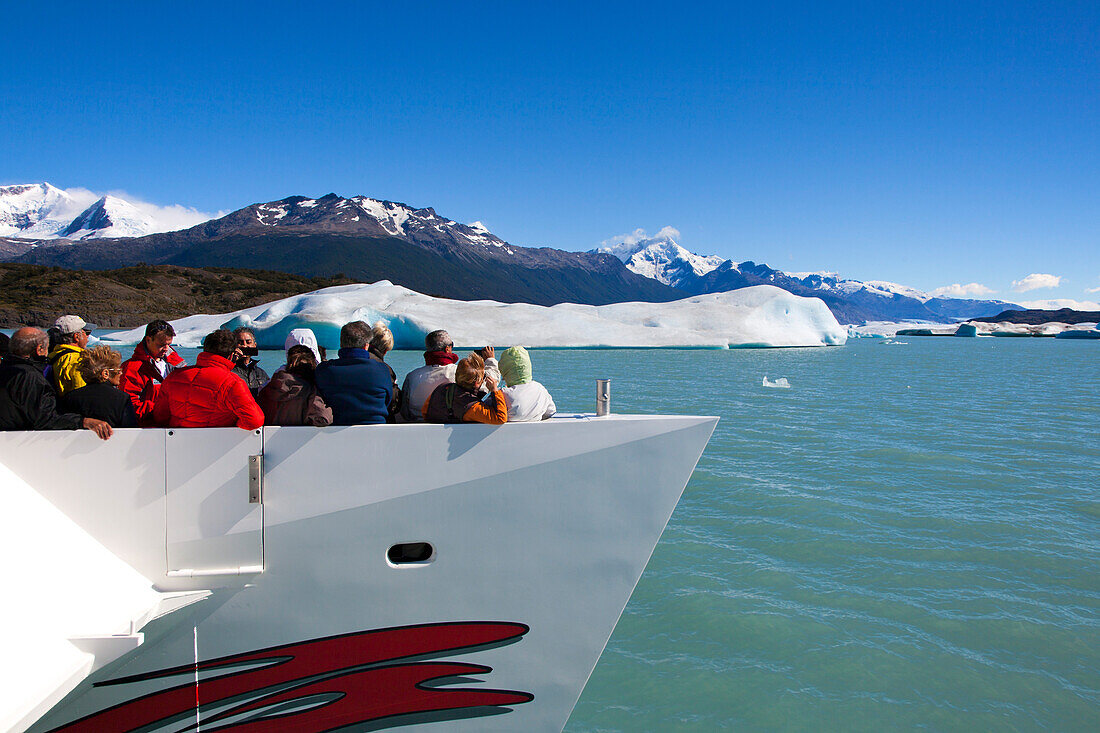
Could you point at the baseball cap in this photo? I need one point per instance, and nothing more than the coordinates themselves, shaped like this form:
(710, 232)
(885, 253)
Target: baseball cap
(71, 324)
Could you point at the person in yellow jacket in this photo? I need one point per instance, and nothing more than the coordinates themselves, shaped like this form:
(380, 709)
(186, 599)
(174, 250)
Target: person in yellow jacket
(63, 358)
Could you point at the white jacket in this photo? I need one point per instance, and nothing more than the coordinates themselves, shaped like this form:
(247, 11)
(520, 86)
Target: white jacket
(422, 381)
(528, 402)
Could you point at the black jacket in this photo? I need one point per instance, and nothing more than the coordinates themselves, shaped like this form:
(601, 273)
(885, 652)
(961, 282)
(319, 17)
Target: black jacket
(103, 401)
(252, 374)
(27, 401)
(395, 402)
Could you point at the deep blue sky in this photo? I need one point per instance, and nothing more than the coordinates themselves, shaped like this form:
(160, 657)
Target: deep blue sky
(926, 143)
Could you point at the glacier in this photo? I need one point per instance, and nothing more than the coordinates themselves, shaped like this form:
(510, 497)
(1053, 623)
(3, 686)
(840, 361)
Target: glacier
(758, 316)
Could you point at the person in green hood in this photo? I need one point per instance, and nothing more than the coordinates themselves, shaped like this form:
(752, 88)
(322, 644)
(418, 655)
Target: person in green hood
(527, 400)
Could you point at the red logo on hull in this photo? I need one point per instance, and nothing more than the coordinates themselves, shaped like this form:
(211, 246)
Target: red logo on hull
(322, 684)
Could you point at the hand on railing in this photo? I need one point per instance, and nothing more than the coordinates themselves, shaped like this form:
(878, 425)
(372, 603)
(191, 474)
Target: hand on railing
(102, 429)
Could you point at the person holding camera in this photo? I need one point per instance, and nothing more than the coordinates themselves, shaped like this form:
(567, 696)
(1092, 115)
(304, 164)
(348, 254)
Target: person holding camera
(246, 366)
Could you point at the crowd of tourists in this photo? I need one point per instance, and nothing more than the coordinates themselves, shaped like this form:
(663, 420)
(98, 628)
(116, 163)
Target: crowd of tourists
(53, 380)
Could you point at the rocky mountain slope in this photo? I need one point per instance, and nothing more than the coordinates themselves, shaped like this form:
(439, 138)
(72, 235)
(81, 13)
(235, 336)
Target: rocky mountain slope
(1038, 316)
(133, 296)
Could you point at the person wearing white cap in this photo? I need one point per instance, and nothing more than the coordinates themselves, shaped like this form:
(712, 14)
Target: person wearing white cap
(64, 357)
(303, 337)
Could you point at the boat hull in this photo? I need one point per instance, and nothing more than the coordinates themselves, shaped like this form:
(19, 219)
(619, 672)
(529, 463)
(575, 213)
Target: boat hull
(538, 535)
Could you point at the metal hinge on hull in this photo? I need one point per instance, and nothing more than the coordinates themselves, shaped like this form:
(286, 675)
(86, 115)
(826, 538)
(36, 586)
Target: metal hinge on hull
(256, 479)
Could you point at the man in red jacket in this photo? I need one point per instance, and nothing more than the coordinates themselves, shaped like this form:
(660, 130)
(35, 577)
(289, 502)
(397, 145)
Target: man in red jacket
(153, 360)
(209, 394)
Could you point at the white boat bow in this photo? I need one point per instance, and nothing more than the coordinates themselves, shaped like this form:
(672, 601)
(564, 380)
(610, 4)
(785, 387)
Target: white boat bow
(433, 577)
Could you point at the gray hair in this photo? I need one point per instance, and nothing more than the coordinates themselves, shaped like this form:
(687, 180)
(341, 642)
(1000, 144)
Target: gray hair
(243, 329)
(381, 339)
(355, 335)
(438, 341)
(25, 342)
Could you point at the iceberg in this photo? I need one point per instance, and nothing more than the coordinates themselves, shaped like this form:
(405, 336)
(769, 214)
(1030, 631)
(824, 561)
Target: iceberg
(780, 383)
(757, 316)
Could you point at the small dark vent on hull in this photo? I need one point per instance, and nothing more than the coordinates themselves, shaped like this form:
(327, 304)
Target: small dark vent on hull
(411, 553)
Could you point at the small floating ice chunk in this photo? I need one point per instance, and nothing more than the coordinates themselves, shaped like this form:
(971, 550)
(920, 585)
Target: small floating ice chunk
(780, 383)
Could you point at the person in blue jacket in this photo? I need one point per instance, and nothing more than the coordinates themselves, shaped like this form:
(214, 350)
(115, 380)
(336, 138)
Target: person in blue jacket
(359, 389)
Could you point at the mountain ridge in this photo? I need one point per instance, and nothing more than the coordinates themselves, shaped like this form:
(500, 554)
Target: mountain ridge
(371, 239)
(851, 301)
(368, 240)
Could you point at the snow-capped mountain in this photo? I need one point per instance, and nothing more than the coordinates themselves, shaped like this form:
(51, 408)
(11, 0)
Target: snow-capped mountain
(852, 301)
(833, 282)
(35, 210)
(109, 217)
(661, 258)
(359, 215)
(40, 211)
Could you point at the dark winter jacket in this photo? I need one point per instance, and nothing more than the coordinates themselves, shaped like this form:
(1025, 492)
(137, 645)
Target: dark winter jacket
(252, 374)
(288, 399)
(27, 400)
(141, 380)
(395, 401)
(103, 401)
(207, 395)
(359, 389)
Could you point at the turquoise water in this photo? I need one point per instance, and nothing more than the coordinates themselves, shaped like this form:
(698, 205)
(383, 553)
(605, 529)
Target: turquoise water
(908, 537)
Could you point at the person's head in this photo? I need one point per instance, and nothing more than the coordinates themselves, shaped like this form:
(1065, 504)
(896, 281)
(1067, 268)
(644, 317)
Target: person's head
(301, 361)
(470, 372)
(246, 337)
(29, 342)
(158, 338)
(355, 335)
(303, 337)
(438, 341)
(381, 338)
(515, 366)
(73, 330)
(220, 343)
(53, 337)
(100, 364)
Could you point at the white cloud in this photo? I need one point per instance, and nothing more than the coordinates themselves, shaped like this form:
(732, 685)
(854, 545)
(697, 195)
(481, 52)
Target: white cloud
(1056, 303)
(1092, 290)
(81, 198)
(961, 291)
(168, 218)
(1035, 281)
(639, 235)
